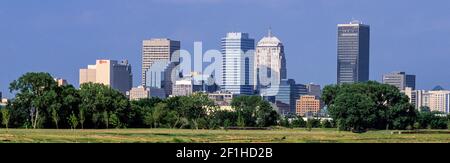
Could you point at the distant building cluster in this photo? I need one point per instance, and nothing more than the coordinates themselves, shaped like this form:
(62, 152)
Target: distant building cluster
(252, 69)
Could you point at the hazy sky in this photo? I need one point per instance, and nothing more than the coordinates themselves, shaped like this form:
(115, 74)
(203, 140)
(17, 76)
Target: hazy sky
(61, 37)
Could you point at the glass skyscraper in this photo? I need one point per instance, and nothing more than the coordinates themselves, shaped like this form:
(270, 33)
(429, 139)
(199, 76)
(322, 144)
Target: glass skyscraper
(353, 52)
(238, 53)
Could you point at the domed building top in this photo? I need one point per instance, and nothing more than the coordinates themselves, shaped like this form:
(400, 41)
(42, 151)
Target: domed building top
(269, 40)
(438, 88)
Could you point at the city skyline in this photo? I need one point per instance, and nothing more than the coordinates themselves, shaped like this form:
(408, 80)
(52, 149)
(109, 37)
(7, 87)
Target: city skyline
(51, 51)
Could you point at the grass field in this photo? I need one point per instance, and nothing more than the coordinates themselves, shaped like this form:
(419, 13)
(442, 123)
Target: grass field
(213, 136)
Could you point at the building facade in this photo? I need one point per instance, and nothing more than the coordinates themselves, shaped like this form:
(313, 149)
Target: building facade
(401, 80)
(238, 54)
(308, 105)
(113, 73)
(353, 52)
(142, 92)
(183, 88)
(159, 58)
(436, 100)
(270, 62)
(314, 90)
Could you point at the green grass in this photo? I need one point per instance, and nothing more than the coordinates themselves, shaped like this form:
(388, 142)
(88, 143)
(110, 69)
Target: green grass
(213, 136)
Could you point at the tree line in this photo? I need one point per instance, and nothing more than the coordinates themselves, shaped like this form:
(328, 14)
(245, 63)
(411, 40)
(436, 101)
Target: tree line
(41, 103)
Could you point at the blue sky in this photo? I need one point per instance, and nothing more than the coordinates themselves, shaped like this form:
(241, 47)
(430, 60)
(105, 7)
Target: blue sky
(61, 37)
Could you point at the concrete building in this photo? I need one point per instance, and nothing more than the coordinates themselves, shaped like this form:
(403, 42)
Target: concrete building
(401, 80)
(436, 99)
(115, 74)
(183, 88)
(308, 104)
(270, 62)
(353, 52)
(142, 92)
(158, 62)
(238, 54)
(314, 89)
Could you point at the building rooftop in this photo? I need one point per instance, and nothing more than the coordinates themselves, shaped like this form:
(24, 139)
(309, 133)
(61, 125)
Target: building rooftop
(269, 40)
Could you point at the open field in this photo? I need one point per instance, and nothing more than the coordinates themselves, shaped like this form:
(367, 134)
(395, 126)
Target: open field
(214, 136)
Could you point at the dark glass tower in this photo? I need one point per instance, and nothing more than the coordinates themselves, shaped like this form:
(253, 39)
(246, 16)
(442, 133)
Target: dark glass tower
(353, 52)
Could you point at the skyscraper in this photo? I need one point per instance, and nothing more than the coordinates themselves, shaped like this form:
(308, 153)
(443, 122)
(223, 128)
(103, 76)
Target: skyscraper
(157, 65)
(238, 53)
(353, 52)
(109, 72)
(401, 80)
(270, 60)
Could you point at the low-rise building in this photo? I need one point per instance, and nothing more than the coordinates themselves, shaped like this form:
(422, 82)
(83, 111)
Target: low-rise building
(142, 92)
(308, 104)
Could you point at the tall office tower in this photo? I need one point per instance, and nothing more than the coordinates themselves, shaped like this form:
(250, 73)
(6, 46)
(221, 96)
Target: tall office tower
(270, 61)
(109, 72)
(238, 54)
(156, 62)
(353, 52)
(401, 80)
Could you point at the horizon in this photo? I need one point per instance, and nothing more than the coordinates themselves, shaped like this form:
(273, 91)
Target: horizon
(62, 37)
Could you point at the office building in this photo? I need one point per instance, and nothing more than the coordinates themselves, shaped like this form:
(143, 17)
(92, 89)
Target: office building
(401, 80)
(437, 99)
(270, 62)
(115, 74)
(308, 105)
(284, 95)
(182, 88)
(353, 52)
(142, 92)
(238, 54)
(158, 63)
(314, 90)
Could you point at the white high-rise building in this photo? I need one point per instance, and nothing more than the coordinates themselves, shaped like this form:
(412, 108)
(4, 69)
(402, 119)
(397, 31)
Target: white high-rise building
(238, 55)
(109, 72)
(270, 62)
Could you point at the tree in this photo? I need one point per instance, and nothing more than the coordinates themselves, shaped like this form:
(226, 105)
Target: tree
(82, 117)
(299, 122)
(255, 111)
(240, 121)
(73, 121)
(99, 102)
(325, 124)
(361, 106)
(5, 117)
(354, 110)
(55, 116)
(35, 93)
